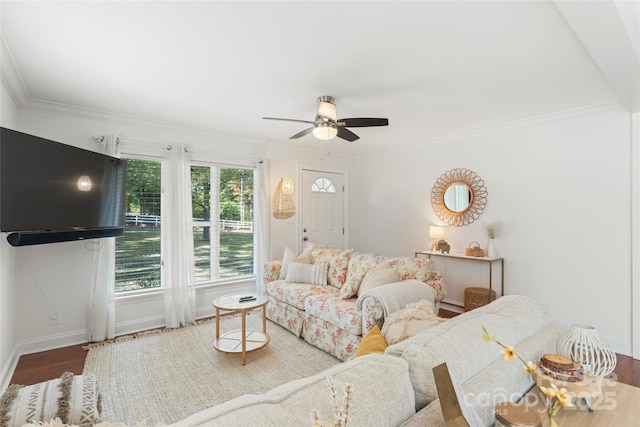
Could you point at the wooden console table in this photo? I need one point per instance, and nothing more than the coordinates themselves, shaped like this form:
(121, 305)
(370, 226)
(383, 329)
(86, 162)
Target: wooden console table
(487, 260)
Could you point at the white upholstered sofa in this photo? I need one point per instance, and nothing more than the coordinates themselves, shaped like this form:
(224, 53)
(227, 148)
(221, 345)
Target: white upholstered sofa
(334, 316)
(398, 388)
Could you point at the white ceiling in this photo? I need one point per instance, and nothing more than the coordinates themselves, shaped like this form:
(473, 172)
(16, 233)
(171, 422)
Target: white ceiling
(433, 68)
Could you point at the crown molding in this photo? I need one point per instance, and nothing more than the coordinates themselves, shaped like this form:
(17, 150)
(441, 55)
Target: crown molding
(72, 110)
(10, 75)
(464, 134)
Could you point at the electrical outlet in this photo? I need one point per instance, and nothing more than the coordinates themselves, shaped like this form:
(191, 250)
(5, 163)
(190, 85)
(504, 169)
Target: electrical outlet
(54, 319)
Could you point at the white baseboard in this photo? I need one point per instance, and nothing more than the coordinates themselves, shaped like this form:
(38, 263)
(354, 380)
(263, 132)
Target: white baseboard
(52, 342)
(139, 325)
(8, 369)
(618, 346)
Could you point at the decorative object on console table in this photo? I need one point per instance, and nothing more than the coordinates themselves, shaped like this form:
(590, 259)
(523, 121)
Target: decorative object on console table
(491, 250)
(583, 345)
(436, 233)
(474, 249)
(443, 247)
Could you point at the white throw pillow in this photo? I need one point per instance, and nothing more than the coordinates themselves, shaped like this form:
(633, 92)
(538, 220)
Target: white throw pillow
(290, 256)
(72, 398)
(315, 274)
(378, 277)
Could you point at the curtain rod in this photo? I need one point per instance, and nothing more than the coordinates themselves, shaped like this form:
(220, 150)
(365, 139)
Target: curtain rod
(169, 147)
(131, 141)
(217, 153)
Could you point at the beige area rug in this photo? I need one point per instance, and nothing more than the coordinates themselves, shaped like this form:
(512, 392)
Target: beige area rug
(166, 376)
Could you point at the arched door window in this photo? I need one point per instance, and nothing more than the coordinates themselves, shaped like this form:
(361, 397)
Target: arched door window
(323, 185)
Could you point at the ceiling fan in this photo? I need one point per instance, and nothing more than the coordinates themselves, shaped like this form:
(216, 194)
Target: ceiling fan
(326, 126)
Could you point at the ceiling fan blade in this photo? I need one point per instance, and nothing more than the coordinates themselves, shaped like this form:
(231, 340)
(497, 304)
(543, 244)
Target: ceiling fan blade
(303, 133)
(345, 133)
(288, 120)
(361, 122)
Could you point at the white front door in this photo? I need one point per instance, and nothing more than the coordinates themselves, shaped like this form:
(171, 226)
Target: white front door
(323, 208)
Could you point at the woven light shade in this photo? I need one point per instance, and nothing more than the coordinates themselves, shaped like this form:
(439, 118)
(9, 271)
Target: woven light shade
(283, 206)
(585, 347)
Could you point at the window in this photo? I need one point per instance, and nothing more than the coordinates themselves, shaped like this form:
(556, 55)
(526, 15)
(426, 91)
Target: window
(138, 260)
(222, 204)
(323, 185)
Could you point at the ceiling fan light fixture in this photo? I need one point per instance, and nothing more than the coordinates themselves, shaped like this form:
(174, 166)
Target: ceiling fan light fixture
(325, 131)
(326, 108)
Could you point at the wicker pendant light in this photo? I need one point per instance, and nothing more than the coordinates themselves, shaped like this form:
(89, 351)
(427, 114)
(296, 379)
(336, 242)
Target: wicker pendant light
(283, 206)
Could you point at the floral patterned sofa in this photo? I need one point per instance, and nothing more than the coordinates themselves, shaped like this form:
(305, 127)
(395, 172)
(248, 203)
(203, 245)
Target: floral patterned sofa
(334, 317)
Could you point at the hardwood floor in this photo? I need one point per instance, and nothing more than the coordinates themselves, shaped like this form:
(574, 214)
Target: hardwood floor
(47, 365)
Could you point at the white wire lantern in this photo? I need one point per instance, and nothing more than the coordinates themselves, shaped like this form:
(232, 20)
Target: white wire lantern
(585, 347)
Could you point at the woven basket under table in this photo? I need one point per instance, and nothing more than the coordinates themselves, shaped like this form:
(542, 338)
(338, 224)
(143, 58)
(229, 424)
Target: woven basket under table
(477, 297)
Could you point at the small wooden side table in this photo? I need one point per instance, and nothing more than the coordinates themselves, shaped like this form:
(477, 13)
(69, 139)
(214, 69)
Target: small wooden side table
(615, 406)
(241, 340)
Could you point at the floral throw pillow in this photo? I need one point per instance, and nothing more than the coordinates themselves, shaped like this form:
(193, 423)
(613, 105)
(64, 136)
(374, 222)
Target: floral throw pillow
(413, 268)
(359, 264)
(338, 260)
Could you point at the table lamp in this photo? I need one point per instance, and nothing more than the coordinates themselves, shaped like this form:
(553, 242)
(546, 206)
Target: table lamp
(436, 233)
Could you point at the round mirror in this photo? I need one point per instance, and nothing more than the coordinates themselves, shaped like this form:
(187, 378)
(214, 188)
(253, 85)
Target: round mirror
(459, 197)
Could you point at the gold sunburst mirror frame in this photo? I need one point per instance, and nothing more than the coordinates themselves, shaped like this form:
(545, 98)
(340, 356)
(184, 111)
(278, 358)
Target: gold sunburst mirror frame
(459, 197)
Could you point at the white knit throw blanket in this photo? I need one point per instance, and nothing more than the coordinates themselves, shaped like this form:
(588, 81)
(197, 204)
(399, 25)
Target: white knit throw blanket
(396, 296)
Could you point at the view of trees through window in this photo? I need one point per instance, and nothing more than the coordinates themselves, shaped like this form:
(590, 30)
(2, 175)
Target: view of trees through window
(138, 250)
(223, 222)
(222, 230)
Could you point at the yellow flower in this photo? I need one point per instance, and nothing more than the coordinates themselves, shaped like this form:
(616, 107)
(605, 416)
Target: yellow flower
(486, 336)
(509, 352)
(564, 398)
(550, 392)
(530, 367)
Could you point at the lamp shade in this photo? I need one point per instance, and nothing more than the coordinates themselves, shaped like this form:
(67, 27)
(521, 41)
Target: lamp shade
(325, 131)
(436, 232)
(287, 185)
(283, 206)
(84, 183)
(327, 110)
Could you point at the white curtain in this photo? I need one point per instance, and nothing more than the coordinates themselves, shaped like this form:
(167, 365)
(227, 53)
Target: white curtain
(178, 273)
(261, 221)
(102, 323)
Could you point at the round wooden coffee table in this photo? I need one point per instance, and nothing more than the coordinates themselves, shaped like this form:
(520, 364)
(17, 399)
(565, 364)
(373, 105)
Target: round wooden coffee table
(241, 340)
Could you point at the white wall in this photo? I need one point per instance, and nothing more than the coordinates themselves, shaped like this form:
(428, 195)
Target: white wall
(559, 194)
(285, 159)
(55, 277)
(8, 119)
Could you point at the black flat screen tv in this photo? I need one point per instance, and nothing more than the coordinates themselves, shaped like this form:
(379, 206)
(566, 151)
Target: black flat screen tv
(53, 192)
